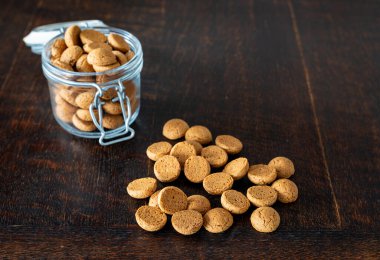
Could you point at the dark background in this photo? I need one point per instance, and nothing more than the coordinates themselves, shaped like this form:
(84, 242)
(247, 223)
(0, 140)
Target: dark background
(292, 78)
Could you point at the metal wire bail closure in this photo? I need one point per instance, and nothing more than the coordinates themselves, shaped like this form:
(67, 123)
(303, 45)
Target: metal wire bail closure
(122, 133)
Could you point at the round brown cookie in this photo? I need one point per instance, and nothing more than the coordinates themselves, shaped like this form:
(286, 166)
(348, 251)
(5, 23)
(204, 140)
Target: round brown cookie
(85, 126)
(153, 199)
(217, 183)
(237, 168)
(112, 121)
(172, 199)
(265, 219)
(72, 36)
(113, 108)
(87, 36)
(98, 68)
(234, 201)
(94, 45)
(217, 220)
(57, 48)
(82, 65)
(182, 151)
(187, 222)
(215, 155)
(71, 55)
(196, 168)
(198, 147)
(287, 190)
(84, 100)
(199, 203)
(120, 57)
(262, 196)
(65, 112)
(150, 218)
(230, 144)
(117, 42)
(157, 150)
(58, 99)
(130, 54)
(85, 115)
(198, 133)
(167, 168)
(261, 174)
(142, 188)
(283, 166)
(175, 129)
(68, 95)
(62, 65)
(101, 57)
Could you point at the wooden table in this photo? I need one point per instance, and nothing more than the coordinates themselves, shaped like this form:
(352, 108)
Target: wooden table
(293, 78)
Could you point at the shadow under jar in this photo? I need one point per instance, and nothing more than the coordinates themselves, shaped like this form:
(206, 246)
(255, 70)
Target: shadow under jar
(105, 117)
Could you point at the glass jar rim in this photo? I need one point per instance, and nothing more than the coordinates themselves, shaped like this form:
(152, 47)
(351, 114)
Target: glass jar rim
(131, 65)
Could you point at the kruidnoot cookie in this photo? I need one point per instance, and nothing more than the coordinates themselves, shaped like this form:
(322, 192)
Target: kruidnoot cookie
(237, 168)
(286, 189)
(112, 121)
(82, 65)
(157, 150)
(64, 111)
(130, 54)
(234, 201)
(215, 155)
(198, 133)
(142, 188)
(182, 151)
(71, 55)
(196, 168)
(175, 129)
(217, 220)
(265, 219)
(167, 168)
(217, 183)
(283, 166)
(100, 68)
(199, 203)
(69, 96)
(62, 65)
(113, 108)
(85, 126)
(172, 199)
(261, 174)
(84, 100)
(153, 199)
(101, 57)
(85, 115)
(261, 196)
(230, 144)
(72, 36)
(57, 48)
(150, 218)
(87, 36)
(120, 57)
(198, 147)
(117, 42)
(95, 45)
(187, 222)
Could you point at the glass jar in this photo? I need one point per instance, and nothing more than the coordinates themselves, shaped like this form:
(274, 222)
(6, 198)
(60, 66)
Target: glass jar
(106, 118)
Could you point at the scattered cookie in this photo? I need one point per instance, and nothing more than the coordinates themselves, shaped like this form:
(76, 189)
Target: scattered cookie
(196, 168)
(261, 174)
(262, 196)
(283, 166)
(217, 183)
(199, 203)
(237, 168)
(234, 201)
(175, 129)
(142, 188)
(157, 150)
(198, 147)
(167, 168)
(187, 222)
(230, 144)
(153, 199)
(172, 199)
(286, 189)
(182, 151)
(150, 218)
(198, 133)
(265, 219)
(215, 155)
(217, 220)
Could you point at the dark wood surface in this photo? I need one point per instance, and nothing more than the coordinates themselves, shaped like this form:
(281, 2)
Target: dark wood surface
(293, 78)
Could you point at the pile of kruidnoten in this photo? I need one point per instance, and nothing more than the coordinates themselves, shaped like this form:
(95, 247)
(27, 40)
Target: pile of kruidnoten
(196, 156)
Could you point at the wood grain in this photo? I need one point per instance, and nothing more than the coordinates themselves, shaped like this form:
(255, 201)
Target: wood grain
(297, 79)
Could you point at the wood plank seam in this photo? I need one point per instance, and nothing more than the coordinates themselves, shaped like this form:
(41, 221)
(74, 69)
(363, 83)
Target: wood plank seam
(312, 101)
(27, 28)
